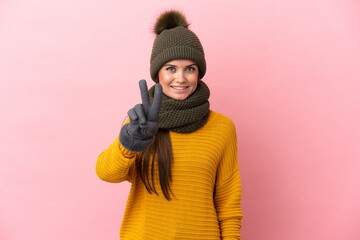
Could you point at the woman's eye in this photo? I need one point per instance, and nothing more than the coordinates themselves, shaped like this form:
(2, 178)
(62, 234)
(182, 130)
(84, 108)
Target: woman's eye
(190, 69)
(171, 69)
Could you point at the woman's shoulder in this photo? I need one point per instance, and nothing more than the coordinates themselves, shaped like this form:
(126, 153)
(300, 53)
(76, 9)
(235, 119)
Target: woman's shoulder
(220, 120)
(219, 117)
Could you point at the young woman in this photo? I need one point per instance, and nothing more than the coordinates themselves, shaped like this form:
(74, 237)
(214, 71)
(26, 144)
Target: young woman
(179, 156)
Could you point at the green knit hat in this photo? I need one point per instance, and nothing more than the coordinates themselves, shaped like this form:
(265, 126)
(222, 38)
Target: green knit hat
(175, 41)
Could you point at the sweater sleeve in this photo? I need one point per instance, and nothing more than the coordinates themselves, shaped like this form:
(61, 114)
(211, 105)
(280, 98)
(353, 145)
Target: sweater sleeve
(116, 164)
(227, 195)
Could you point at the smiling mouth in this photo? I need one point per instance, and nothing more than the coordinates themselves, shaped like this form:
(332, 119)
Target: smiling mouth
(179, 88)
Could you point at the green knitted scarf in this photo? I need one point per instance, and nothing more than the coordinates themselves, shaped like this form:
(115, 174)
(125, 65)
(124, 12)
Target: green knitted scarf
(184, 116)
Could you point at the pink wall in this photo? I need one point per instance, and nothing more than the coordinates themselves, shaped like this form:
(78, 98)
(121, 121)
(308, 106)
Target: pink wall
(286, 72)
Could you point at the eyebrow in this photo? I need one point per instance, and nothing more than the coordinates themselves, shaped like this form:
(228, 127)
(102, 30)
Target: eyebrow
(170, 65)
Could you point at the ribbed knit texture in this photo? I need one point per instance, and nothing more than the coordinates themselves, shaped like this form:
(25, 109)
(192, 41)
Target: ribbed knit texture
(184, 116)
(206, 186)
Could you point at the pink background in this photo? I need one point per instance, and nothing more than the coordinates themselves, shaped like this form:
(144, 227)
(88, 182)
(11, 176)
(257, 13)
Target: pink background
(286, 72)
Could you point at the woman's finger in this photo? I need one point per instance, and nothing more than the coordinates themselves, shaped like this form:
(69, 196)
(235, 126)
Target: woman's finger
(155, 107)
(139, 110)
(132, 116)
(144, 94)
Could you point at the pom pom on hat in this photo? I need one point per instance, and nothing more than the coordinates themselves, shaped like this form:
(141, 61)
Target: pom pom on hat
(170, 19)
(175, 41)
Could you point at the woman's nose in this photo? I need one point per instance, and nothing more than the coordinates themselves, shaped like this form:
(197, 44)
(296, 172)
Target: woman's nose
(180, 77)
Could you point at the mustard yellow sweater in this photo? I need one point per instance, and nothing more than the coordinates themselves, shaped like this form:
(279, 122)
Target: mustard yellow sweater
(206, 187)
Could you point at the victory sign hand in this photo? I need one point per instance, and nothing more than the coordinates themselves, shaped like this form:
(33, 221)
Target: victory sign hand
(139, 133)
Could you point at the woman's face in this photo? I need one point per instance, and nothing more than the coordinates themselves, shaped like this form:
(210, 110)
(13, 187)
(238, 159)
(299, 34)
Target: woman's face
(179, 78)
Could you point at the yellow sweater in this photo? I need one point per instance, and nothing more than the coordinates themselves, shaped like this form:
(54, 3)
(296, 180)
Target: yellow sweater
(206, 187)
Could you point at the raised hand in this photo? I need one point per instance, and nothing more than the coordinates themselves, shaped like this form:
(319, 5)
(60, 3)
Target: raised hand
(139, 133)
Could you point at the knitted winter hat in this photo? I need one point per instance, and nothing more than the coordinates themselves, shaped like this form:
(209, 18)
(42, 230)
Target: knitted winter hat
(175, 41)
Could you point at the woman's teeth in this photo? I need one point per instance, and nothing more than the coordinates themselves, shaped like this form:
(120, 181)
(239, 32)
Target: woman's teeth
(179, 87)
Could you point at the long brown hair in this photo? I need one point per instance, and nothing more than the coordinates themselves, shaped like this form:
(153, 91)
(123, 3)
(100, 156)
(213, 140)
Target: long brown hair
(161, 151)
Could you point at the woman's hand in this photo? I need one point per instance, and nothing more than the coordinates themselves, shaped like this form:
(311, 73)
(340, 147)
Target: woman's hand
(139, 133)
